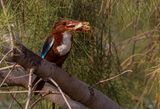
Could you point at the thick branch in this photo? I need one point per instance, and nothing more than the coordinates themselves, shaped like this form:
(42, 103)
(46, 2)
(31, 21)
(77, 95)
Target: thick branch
(19, 78)
(73, 87)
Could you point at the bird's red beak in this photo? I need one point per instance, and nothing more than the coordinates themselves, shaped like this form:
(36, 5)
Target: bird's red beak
(78, 26)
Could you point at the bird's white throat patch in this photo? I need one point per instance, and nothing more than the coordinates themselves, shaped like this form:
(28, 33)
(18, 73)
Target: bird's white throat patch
(65, 46)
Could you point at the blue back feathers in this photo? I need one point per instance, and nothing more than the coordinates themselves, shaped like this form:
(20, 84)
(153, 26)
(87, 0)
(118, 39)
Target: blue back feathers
(47, 46)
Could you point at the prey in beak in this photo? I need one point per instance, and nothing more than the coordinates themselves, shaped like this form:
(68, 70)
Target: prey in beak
(79, 26)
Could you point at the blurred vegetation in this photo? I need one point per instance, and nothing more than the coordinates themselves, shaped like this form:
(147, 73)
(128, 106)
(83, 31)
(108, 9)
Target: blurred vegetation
(125, 36)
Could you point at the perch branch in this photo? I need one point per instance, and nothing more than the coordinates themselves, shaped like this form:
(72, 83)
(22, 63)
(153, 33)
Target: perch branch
(71, 86)
(19, 78)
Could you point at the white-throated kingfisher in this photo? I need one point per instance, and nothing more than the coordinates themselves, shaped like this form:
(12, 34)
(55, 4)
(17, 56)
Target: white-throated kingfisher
(58, 45)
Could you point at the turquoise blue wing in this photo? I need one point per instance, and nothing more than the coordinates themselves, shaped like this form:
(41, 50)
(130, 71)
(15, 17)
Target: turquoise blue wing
(47, 46)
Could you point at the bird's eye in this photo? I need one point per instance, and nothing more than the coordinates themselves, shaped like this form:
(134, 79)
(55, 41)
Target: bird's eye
(64, 23)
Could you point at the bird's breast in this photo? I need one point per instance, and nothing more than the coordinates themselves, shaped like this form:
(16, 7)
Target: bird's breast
(65, 45)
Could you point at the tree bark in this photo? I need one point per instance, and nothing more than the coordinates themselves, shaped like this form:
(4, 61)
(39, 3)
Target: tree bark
(74, 88)
(19, 78)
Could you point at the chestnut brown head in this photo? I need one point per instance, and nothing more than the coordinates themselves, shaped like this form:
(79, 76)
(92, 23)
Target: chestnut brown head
(71, 25)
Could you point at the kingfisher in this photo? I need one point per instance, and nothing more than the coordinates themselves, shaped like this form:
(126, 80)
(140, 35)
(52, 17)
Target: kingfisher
(58, 45)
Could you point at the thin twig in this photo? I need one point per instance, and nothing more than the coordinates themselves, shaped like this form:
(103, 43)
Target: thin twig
(13, 96)
(10, 105)
(146, 89)
(29, 89)
(129, 60)
(140, 36)
(5, 56)
(33, 87)
(21, 76)
(65, 99)
(39, 99)
(7, 75)
(22, 91)
(102, 81)
(9, 67)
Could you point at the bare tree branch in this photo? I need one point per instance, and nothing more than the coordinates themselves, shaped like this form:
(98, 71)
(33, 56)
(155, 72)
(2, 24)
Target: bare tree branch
(73, 87)
(19, 78)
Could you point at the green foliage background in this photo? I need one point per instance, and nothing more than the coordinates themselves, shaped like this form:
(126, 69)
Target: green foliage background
(125, 36)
